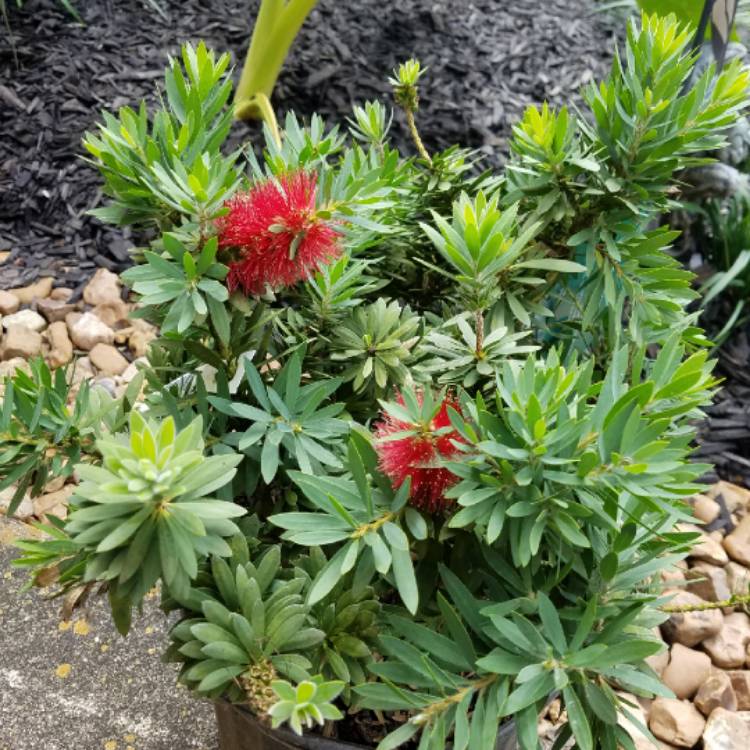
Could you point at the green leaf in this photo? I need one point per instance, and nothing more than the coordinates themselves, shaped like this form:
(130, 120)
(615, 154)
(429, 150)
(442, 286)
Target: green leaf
(209, 633)
(608, 566)
(330, 574)
(466, 604)
(219, 678)
(121, 609)
(579, 722)
(256, 385)
(209, 508)
(600, 703)
(553, 264)
(590, 165)
(226, 652)
(269, 460)
(220, 319)
(528, 693)
(398, 737)
(406, 583)
(552, 627)
(570, 530)
(389, 697)
(624, 652)
(438, 645)
(415, 523)
(634, 680)
(457, 630)
(357, 467)
(124, 531)
(585, 625)
(502, 662)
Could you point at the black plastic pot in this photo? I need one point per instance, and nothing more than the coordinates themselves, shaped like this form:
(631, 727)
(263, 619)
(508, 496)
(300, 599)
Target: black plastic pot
(240, 730)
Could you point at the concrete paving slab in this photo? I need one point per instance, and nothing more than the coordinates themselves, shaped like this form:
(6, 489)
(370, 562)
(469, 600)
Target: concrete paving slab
(80, 685)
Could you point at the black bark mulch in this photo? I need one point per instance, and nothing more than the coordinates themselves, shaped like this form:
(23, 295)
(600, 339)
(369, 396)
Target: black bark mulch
(724, 438)
(487, 61)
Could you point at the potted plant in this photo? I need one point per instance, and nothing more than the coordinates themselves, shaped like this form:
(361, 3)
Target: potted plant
(414, 438)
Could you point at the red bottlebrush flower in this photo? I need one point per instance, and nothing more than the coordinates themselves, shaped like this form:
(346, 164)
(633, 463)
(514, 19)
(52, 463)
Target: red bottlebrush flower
(420, 456)
(280, 238)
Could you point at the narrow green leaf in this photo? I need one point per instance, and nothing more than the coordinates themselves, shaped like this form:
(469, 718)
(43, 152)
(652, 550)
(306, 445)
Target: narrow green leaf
(579, 722)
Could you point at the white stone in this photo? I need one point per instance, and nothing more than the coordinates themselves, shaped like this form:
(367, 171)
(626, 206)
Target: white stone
(727, 730)
(88, 331)
(28, 318)
(104, 288)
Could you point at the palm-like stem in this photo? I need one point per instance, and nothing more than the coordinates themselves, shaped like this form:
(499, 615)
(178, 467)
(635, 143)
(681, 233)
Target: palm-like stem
(276, 27)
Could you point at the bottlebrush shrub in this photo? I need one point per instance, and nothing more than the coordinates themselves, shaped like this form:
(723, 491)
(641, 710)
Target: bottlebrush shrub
(459, 405)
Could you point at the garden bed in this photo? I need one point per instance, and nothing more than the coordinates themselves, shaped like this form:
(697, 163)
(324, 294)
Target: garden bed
(145, 513)
(485, 65)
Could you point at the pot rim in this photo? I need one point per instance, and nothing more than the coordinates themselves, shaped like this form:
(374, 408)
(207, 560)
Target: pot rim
(305, 741)
(506, 733)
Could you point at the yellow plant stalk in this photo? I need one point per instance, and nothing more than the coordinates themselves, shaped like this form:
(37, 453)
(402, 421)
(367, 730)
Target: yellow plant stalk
(276, 27)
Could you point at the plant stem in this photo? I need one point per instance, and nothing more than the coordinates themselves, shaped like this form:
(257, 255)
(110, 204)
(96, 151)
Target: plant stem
(276, 26)
(733, 601)
(269, 116)
(412, 123)
(365, 528)
(479, 329)
(444, 704)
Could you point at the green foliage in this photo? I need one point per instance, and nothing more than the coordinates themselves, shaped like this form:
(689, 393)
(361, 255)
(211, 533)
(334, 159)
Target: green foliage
(514, 665)
(371, 123)
(461, 357)
(412, 257)
(254, 620)
(251, 622)
(370, 520)
(43, 434)
(561, 473)
(404, 82)
(546, 305)
(548, 458)
(689, 13)
(306, 704)
(312, 146)
(655, 127)
(186, 287)
(374, 343)
(491, 260)
(349, 619)
(595, 187)
(56, 559)
(160, 168)
(634, 274)
(145, 514)
(287, 421)
(726, 245)
(335, 289)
